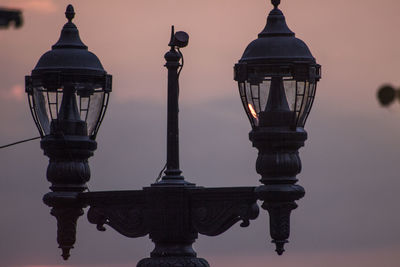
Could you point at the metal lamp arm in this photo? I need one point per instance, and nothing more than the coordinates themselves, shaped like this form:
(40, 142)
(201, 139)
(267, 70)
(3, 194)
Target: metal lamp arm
(213, 210)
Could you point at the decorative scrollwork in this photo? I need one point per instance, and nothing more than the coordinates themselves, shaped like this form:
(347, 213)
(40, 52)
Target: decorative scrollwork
(216, 210)
(128, 221)
(123, 211)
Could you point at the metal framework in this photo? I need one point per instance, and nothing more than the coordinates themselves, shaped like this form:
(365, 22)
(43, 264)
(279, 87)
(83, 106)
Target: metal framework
(172, 211)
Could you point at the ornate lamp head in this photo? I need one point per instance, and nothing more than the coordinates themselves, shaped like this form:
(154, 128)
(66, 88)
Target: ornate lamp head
(277, 76)
(68, 89)
(68, 93)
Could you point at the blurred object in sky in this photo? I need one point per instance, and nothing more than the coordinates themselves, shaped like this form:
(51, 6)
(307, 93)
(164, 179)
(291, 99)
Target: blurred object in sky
(7, 16)
(387, 94)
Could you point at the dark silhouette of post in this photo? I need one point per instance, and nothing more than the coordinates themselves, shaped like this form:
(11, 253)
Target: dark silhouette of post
(277, 77)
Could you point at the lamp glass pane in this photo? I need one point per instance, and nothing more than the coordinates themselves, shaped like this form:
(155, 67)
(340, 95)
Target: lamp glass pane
(91, 99)
(254, 96)
(243, 97)
(92, 105)
(46, 104)
(94, 112)
(290, 91)
(303, 109)
(299, 96)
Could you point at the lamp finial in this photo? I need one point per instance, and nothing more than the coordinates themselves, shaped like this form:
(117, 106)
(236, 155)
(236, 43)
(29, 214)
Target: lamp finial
(70, 13)
(276, 3)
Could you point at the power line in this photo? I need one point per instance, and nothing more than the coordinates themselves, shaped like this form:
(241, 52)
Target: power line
(19, 142)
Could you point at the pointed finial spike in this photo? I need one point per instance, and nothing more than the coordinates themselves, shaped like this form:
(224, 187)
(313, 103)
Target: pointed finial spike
(70, 13)
(276, 3)
(65, 253)
(279, 246)
(279, 249)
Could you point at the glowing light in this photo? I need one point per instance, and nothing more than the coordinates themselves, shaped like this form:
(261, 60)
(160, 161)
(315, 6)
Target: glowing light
(252, 111)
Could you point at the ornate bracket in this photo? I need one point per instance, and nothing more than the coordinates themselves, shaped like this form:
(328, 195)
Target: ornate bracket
(215, 210)
(164, 212)
(121, 210)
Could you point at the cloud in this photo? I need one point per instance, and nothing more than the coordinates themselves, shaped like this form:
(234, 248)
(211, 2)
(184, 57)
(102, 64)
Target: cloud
(40, 6)
(16, 93)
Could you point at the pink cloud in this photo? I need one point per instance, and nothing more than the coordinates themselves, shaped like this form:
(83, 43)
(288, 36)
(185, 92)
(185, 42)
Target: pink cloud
(16, 93)
(41, 6)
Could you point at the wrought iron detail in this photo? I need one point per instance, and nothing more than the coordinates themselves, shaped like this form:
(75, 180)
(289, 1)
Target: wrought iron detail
(173, 211)
(215, 210)
(128, 221)
(124, 212)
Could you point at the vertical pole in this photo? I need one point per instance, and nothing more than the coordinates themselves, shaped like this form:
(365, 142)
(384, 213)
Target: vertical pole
(173, 172)
(173, 58)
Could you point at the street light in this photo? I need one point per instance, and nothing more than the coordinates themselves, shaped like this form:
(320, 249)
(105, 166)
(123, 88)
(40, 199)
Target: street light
(68, 89)
(68, 95)
(277, 78)
(173, 211)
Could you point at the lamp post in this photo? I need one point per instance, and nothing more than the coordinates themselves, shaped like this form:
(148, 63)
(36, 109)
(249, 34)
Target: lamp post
(277, 78)
(68, 94)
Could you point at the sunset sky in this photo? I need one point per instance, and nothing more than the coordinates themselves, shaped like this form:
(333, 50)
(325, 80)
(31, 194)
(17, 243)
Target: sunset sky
(350, 214)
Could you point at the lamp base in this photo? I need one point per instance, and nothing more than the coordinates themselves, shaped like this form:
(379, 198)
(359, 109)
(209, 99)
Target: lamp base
(173, 262)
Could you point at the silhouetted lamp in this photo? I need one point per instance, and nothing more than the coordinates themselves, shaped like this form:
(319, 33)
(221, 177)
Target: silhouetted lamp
(68, 93)
(68, 76)
(277, 77)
